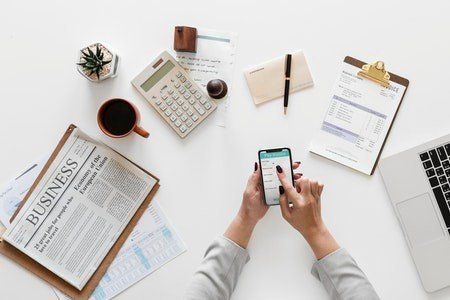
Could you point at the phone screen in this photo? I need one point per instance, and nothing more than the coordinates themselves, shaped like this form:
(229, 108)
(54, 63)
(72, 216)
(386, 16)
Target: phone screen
(268, 160)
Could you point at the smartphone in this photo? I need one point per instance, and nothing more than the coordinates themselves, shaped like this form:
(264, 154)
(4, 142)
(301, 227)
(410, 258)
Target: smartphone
(268, 160)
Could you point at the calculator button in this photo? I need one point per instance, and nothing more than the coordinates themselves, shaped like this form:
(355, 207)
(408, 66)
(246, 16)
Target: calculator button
(182, 90)
(190, 112)
(168, 112)
(194, 117)
(177, 123)
(198, 96)
(189, 123)
(179, 112)
(169, 101)
(164, 96)
(174, 107)
(202, 100)
(208, 105)
(187, 84)
(199, 109)
(183, 129)
(193, 90)
(180, 102)
(187, 96)
(173, 118)
(192, 101)
(184, 118)
(175, 96)
(179, 74)
(163, 107)
(182, 79)
(177, 84)
(158, 101)
(185, 107)
(170, 91)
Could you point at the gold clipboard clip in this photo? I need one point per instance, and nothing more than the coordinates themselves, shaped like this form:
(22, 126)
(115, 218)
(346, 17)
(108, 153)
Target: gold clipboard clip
(375, 72)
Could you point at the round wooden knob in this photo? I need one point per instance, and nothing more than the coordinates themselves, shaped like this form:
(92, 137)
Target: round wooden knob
(217, 88)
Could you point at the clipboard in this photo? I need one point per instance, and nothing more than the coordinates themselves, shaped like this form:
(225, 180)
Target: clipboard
(31, 265)
(376, 73)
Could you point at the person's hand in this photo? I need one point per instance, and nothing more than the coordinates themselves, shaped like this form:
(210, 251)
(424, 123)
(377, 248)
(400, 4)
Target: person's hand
(305, 212)
(252, 208)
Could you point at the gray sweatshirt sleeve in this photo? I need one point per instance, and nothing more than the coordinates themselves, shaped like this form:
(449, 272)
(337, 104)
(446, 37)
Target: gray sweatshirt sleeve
(217, 275)
(342, 278)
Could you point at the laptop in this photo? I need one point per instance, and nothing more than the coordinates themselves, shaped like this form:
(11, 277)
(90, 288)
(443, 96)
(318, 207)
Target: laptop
(417, 181)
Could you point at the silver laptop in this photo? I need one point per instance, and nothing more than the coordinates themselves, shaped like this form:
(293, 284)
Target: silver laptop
(417, 181)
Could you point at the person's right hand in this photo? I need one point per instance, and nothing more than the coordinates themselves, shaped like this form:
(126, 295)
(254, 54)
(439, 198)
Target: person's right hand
(305, 212)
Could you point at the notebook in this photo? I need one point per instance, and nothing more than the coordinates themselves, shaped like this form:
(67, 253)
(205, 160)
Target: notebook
(266, 81)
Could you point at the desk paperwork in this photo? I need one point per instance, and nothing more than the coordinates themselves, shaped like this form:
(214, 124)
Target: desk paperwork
(78, 213)
(153, 242)
(13, 192)
(358, 118)
(214, 59)
(266, 81)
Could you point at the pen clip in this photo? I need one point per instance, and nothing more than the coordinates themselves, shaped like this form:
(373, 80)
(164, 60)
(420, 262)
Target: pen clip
(287, 66)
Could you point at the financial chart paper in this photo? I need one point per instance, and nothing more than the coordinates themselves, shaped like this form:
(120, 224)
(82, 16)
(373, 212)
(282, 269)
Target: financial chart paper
(357, 120)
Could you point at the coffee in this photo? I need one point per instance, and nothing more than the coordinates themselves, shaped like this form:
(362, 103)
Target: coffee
(118, 117)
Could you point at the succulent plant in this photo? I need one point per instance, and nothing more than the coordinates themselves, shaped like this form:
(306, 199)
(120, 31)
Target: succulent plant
(93, 62)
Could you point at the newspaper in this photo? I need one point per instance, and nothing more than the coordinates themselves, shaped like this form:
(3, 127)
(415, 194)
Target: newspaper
(79, 208)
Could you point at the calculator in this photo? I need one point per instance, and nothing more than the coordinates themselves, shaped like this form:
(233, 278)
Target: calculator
(173, 94)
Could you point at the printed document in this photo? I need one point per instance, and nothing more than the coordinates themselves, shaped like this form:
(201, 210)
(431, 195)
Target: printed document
(214, 60)
(79, 208)
(153, 243)
(357, 120)
(12, 193)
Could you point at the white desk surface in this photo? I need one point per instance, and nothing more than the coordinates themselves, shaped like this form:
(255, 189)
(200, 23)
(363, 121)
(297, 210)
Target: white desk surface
(203, 177)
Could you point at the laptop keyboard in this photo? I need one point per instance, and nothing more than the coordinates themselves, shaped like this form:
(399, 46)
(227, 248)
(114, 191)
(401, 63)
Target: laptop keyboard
(437, 168)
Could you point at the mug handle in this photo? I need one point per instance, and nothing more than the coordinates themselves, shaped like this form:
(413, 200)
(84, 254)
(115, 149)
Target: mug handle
(141, 131)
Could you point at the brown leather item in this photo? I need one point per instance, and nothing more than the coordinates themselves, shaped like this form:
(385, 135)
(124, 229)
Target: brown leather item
(185, 39)
(395, 78)
(33, 266)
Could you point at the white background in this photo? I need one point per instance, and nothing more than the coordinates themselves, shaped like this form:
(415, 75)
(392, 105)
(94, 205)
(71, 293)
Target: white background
(203, 176)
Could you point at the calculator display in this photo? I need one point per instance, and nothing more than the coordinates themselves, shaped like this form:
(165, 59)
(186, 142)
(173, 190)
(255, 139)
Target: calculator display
(157, 76)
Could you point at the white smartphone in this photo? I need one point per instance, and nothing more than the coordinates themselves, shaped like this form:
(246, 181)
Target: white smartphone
(268, 160)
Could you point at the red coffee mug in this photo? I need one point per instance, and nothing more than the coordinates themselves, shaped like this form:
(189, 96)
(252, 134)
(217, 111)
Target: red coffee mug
(117, 118)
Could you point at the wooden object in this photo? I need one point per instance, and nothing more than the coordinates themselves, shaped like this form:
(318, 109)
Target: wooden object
(217, 88)
(185, 39)
(45, 274)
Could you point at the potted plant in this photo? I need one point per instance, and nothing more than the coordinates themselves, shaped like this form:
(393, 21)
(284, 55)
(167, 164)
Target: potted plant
(96, 62)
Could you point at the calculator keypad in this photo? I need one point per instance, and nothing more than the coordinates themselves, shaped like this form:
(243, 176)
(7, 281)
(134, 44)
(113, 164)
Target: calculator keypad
(181, 103)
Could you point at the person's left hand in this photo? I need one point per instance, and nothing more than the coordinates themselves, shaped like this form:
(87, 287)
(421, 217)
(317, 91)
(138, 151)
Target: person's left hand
(253, 207)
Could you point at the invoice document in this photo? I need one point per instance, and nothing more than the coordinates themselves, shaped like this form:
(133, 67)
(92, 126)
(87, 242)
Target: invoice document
(357, 120)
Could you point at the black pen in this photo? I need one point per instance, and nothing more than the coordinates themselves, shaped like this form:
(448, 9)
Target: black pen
(287, 80)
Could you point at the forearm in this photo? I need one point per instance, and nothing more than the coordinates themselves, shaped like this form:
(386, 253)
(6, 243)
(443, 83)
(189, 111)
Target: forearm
(240, 229)
(218, 274)
(342, 277)
(321, 242)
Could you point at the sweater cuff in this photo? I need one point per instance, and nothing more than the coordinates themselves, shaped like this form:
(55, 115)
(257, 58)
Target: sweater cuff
(329, 257)
(241, 254)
